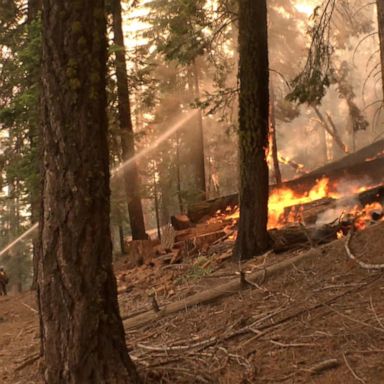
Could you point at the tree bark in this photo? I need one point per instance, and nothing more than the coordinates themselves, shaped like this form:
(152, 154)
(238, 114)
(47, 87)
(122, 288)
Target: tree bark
(331, 129)
(131, 175)
(253, 238)
(198, 150)
(34, 6)
(156, 201)
(380, 22)
(82, 334)
(178, 174)
(34, 134)
(121, 240)
(274, 150)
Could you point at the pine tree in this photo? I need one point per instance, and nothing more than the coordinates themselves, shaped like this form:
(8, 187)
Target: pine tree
(19, 100)
(380, 22)
(82, 333)
(178, 35)
(253, 239)
(131, 173)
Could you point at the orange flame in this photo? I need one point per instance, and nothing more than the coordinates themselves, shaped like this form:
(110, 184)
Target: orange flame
(285, 197)
(282, 198)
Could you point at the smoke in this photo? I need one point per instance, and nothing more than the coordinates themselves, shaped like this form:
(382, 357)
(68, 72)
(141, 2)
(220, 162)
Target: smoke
(346, 193)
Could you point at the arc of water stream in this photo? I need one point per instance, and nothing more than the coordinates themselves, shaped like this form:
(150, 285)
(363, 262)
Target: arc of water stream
(166, 135)
(118, 170)
(21, 237)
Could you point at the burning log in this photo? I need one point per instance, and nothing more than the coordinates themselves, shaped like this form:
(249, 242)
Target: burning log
(372, 195)
(363, 164)
(307, 213)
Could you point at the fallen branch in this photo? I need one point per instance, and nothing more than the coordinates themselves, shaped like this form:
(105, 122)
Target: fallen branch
(352, 371)
(28, 361)
(354, 258)
(215, 293)
(354, 320)
(323, 366)
(30, 308)
(292, 345)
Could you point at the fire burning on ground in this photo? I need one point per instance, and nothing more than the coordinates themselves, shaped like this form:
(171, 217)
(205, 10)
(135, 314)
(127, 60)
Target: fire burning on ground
(322, 204)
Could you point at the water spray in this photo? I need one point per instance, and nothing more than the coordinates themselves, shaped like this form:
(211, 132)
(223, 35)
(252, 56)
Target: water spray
(166, 135)
(117, 171)
(21, 237)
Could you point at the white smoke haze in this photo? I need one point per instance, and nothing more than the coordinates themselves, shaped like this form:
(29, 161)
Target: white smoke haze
(347, 190)
(349, 187)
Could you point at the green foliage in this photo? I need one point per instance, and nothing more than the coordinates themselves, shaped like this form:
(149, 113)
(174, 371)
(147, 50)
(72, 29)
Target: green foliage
(20, 49)
(311, 84)
(20, 110)
(178, 29)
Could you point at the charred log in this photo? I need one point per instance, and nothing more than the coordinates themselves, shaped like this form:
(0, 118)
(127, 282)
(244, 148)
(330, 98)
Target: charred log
(366, 163)
(180, 222)
(298, 236)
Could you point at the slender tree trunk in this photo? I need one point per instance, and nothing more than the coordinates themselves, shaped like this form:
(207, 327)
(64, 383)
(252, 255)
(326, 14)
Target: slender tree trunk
(156, 201)
(323, 143)
(275, 154)
(331, 129)
(34, 6)
(121, 239)
(34, 134)
(132, 184)
(252, 238)
(165, 197)
(198, 155)
(82, 333)
(380, 22)
(178, 174)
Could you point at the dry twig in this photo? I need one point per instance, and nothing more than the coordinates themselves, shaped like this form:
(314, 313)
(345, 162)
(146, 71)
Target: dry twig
(353, 257)
(352, 371)
(323, 366)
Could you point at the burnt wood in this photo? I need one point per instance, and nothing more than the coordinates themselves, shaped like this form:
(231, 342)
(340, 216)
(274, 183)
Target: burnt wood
(365, 163)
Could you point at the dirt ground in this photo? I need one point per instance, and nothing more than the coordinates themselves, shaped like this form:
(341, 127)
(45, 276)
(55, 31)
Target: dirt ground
(320, 321)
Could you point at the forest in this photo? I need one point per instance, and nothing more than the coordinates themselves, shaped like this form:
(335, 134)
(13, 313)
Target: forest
(191, 191)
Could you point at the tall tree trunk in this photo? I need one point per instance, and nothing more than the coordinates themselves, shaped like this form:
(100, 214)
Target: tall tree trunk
(330, 127)
(82, 333)
(131, 175)
(178, 174)
(34, 6)
(198, 150)
(121, 240)
(380, 22)
(323, 144)
(156, 201)
(274, 150)
(34, 134)
(252, 236)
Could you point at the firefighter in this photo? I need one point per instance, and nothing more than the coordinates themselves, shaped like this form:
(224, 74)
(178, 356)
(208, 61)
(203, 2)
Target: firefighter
(3, 282)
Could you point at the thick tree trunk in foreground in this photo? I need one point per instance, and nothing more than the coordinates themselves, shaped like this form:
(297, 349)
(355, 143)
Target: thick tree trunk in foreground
(253, 237)
(82, 334)
(380, 22)
(131, 174)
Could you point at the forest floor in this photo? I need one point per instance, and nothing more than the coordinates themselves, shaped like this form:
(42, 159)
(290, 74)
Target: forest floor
(319, 321)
